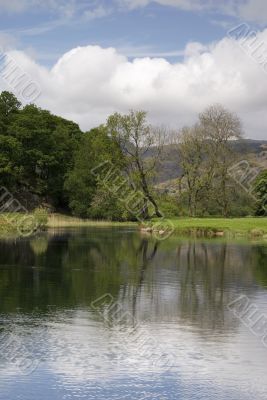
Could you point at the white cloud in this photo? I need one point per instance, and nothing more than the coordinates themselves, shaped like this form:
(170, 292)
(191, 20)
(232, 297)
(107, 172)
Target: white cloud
(89, 83)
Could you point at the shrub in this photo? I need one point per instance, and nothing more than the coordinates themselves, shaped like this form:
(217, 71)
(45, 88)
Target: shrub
(41, 216)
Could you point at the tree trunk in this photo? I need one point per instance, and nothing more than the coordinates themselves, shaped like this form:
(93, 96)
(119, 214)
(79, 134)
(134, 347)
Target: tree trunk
(147, 192)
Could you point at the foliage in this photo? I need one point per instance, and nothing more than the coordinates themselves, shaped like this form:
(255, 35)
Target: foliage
(261, 191)
(41, 217)
(136, 138)
(36, 150)
(106, 205)
(205, 156)
(197, 171)
(10, 155)
(220, 126)
(48, 143)
(96, 147)
(46, 160)
(9, 108)
(169, 206)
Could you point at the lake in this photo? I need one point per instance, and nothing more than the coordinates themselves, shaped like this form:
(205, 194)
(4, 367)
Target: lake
(110, 314)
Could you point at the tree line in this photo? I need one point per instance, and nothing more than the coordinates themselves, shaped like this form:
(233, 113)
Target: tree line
(46, 160)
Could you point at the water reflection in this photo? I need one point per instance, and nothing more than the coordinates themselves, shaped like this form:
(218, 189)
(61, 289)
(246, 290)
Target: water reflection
(177, 290)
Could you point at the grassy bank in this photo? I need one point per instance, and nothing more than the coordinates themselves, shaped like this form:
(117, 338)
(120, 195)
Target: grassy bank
(65, 221)
(251, 226)
(10, 223)
(22, 224)
(209, 227)
(5, 227)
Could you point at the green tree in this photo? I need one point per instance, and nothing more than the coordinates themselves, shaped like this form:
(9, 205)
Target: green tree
(142, 144)
(10, 154)
(81, 185)
(48, 143)
(9, 107)
(261, 192)
(107, 205)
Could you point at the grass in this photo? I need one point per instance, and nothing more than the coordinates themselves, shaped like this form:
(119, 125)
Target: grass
(215, 226)
(250, 226)
(9, 224)
(5, 226)
(66, 221)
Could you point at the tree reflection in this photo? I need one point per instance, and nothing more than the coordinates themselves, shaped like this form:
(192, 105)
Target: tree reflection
(172, 280)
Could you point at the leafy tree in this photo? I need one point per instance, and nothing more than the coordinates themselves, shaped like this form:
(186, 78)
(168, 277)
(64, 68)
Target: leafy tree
(9, 107)
(107, 205)
(81, 185)
(10, 154)
(137, 140)
(48, 144)
(66, 137)
(45, 158)
(261, 191)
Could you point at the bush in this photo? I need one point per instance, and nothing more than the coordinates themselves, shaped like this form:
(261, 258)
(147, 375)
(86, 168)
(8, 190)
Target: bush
(41, 217)
(168, 206)
(105, 205)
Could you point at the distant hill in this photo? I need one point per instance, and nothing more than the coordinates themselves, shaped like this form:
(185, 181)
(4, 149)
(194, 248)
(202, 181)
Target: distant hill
(249, 146)
(169, 168)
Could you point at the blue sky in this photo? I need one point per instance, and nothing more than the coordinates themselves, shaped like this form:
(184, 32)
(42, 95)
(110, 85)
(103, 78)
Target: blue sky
(172, 58)
(47, 29)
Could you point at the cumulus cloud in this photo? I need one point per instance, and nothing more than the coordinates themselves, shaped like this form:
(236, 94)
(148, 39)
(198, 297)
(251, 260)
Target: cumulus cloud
(89, 83)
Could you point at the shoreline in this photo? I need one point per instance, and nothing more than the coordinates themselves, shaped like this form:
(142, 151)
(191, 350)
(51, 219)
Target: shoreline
(67, 221)
(54, 221)
(251, 227)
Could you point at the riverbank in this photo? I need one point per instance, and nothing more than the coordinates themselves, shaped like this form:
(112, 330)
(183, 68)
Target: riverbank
(200, 227)
(212, 227)
(11, 224)
(5, 227)
(14, 224)
(66, 221)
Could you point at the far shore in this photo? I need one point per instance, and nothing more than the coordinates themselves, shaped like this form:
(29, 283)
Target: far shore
(219, 227)
(67, 221)
(252, 227)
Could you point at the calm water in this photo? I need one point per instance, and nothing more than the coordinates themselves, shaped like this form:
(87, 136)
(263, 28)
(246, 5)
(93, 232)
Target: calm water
(109, 314)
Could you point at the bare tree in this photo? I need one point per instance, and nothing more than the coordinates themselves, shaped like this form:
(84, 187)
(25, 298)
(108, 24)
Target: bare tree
(197, 172)
(220, 127)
